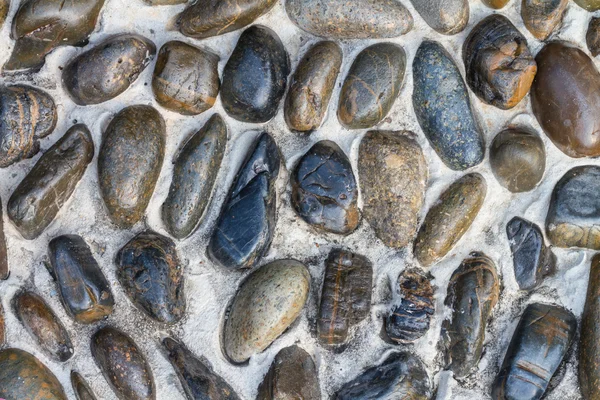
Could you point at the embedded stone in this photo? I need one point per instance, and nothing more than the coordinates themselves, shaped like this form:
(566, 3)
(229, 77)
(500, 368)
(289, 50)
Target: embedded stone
(2, 327)
(4, 267)
(542, 18)
(446, 17)
(497, 4)
(589, 342)
(590, 5)
(81, 388)
(592, 37)
(165, 2)
(4, 6)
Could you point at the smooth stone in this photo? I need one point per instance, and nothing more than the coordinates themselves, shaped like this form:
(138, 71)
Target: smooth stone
(345, 297)
(2, 327)
(194, 175)
(324, 190)
(449, 218)
(312, 86)
(443, 109)
(186, 79)
(264, 307)
(129, 162)
(573, 218)
(251, 203)
(536, 350)
(43, 192)
(340, 19)
(4, 266)
(206, 18)
(81, 388)
(40, 26)
(496, 4)
(499, 67)
(22, 376)
(565, 98)
(592, 37)
(27, 114)
(590, 5)
(197, 377)
(4, 6)
(393, 174)
(400, 376)
(152, 276)
(532, 259)
(122, 364)
(255, 77)
(371, 86)
(108, 69)
(518, 159)
(41, 323)
(589, 342)
(83, 288)
(446, 17)
(542, 18)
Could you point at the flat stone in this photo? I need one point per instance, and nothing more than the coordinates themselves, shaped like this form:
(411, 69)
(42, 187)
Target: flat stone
(590, 5)
(443, 109)
(497, 4)
(542, 18)
(446, 17)
(589, 342)
(4, 266)
(265, 305)
(81, 388)
(393, 175)
(592, 37)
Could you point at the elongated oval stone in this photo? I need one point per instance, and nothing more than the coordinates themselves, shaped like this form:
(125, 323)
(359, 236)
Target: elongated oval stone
(324, 190)
(497, 4)
(345, 297)
(312, 86)
(372, 85)
(441, 103)
(4, 266)
(537, 348)
(251, 203)
(41, 323)
(449, 218)
(107, 70)
(400, 376)
(198, 379)
(152, 276)
(266, 304)
(446, 17)
(122, 364)
(393, 175)
(27, 114)
(129, 162)
(35, 203)
(255, 77)
(542, 18)
(22, 376)
(589, 342)
(340, 19)
(592, 36)
(186, 79)
(590, 5)
(40, 26)
(81, 388)
(473, 292)
(206, 18)
(83, 288)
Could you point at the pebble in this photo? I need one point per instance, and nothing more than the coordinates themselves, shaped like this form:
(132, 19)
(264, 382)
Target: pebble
(496, 4)
(2, 327)
(446, 17)
(4, 6)
(589, 342)
(590, 5)
(592, 37)
(164, 2)
(4, 266)
(542, 18)
(81, 388)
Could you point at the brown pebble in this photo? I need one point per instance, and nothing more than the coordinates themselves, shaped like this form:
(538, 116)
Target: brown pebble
(592, 37)
(542, 18)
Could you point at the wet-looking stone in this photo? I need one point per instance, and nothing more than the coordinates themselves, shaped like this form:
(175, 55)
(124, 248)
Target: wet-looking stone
(590, 5)
(81, 388)
(589, 343)
(592, 37)
(4, 267)
(542, 18)
(446, 17)
(497, 4)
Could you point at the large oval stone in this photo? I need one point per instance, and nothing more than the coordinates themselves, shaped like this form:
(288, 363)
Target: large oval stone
(129, 162)
(542, 18)
(4, 266)
(255, 77)
(446, 17)
(81, 388)
(590, 5)
(266, 304)
(589, 342)
(441, 103)
(565, 98)
(46, 188)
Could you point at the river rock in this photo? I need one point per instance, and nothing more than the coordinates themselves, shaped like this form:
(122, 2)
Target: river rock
(22, 376)
(252, 203)
(340, 19)
(83, 288)
(441, 103)
(592, 37)
(590, 5)
(4, 266)
(2, 327)
(129, 162)
(497, 4)
(345, 297)
(542, 18)
(537, 349)
(4, 6)
(81, 388)
(393, 175)
(197, 378)
(50, 183)
(446, 17)
(206, 18)
(293, 375)
(40, 26)
(473, 292)
(499, 67)
(311, 87)
(565, 98)
(518, 159)
(400, 376)
(324, 190)
(41, 323)
(589, 342)
(194, 176)
(27, 114)
(186, 79)
(532, 260)
(255, 77)
(265, 305)
(449, 218)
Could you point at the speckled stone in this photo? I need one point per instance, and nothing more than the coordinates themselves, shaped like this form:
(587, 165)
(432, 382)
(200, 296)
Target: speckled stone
(4, 266)
(496, 4)
(542, 18)
(4, 6)
(81, 388)
(590, 5)
(446, 17)
(266, 304)
(589, 342)
(592, 37)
